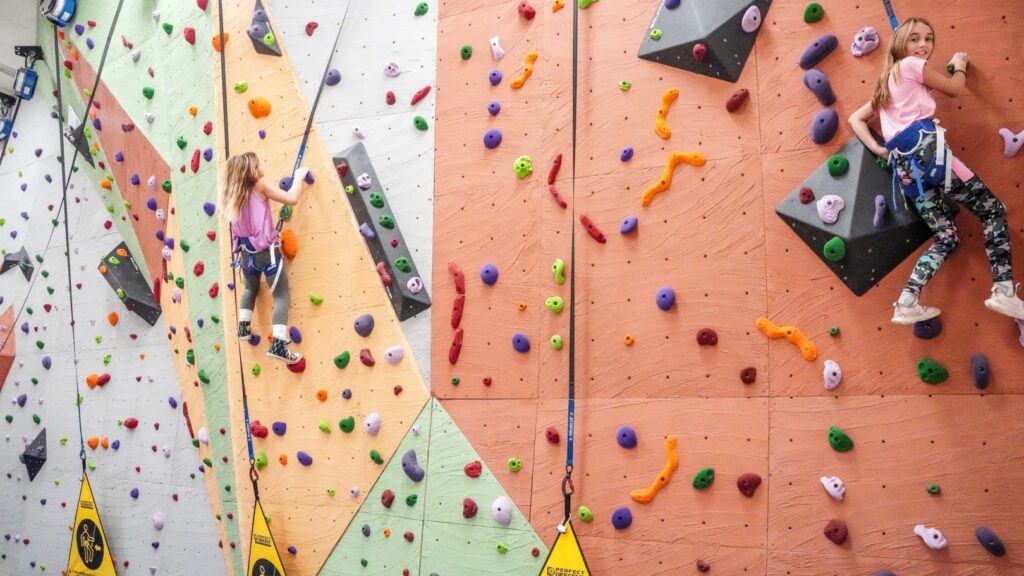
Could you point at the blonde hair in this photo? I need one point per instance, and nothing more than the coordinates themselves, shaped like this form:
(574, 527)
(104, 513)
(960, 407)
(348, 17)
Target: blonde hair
(893, 54)
(240, 178)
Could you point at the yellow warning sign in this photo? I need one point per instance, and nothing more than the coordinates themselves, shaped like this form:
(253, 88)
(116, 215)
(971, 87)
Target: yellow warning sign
(90, 555)
(263, 557)
(566, 558)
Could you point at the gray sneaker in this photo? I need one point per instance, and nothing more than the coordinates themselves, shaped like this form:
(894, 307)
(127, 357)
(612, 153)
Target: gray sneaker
(1006, 304)
(906, 315)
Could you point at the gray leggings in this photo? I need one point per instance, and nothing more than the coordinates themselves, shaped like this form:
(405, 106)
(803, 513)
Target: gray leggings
(282, 297)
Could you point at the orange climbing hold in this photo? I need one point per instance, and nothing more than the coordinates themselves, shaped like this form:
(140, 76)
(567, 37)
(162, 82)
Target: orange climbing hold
(93, 442)
(289, 243)
(193, 110)
(660, 125)
(807, 348)
(217, 41)
(105, 184)
(122, 252)
(558, 5)
(523, 76)
(112, 318)
(674, 159)
(321, 395)
(646, 495)
(259, 107)
(283, 459)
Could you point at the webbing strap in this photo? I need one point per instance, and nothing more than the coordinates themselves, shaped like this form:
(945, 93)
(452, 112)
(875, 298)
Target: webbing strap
(892, 15)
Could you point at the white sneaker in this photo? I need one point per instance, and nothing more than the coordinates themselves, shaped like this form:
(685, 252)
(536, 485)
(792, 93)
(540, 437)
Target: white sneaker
(1007, 304)
(906, 315)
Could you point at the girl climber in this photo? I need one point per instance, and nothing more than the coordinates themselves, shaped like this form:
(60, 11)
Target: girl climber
(922, 164)
(245, 204)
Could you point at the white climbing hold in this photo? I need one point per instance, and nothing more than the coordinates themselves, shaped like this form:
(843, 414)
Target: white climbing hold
(392, 70)
(166, 253)
(394, 354)
(496, 48)
(151, 182)
(167, 451)
(931, 537)
(150, 117)
(865, 41)
(415, 285)
(501, 509)
(372, 423)
(136, 54)
(416, 430)
(158, 520)
(358, 132)
(364, 181)
(160, 214)
(354, 491)
(1012, 143)
(829, 208)
(156, 15)
(834, 486)
(751, 19)
(833, 375)
(203, 435)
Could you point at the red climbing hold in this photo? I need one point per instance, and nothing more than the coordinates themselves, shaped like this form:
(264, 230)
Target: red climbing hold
(342, 170)
(700, 51)
(555, 165)
(190, 35)
(311, 27)
(198, 268)
(593, 230)
(469, 508)
(458, 276)
(409, 536)
(258, 430)
(737, 99)
(397, 389)
(456, 348)
(208, 128)
(487, 381)
(131, 423)
(382, 271)
(748, 375)
(552, 435)
(473, 469)
(214, 290)
(156, 291)
(526, 11)
(703, 566)
(558, 197)
(457, 307)
(390, 98)
(195, 161)
(201, 4)
(212, 235)
(387, 498)
(707, 337)
(299, 367)
(806, 195)
(420, 95)
(535, 552)
(366, 357)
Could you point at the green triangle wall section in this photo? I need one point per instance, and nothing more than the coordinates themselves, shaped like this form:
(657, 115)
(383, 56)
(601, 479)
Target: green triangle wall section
(443, 542)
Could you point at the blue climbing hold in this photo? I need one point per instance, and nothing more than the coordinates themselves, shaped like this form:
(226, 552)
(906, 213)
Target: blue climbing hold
(979, 370)
(622, 518)
(626, 437)
(520, 342)
(489, 274)
(492, 138)
(666, 298)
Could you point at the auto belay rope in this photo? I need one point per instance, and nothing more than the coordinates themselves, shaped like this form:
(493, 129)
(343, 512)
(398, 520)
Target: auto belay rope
(565, 555)
(892, 15)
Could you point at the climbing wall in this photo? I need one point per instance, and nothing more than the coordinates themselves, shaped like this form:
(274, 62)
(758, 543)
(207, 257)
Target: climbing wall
(712, 238)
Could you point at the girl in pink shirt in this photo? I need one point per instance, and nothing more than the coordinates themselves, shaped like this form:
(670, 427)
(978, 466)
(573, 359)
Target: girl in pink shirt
(923, 167)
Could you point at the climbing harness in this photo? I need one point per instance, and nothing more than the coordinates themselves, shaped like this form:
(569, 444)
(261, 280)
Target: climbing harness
(920, 159)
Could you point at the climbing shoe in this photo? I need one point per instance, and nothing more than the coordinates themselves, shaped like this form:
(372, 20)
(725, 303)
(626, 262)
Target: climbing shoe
(243, 331)
(1006, 302)
(906, 315)
(279, 350)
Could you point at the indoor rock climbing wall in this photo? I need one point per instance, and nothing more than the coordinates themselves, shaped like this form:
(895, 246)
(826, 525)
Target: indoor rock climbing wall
(146, 476)
(713, 239)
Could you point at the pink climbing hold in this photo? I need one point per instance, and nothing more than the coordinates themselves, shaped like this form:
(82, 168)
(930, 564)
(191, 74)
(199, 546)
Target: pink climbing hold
(700, 52)
(1011, 142)
(190, 35)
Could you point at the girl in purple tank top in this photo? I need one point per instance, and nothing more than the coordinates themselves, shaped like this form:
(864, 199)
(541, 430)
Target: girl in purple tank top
(245, 204)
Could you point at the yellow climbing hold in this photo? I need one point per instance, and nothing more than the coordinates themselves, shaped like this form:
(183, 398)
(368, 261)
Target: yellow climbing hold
(807, 348)
(660, 125)
(523, 76)
(646, 495)
(674, 159)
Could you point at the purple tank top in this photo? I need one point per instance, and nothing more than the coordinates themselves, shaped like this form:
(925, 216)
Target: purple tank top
(255, 223)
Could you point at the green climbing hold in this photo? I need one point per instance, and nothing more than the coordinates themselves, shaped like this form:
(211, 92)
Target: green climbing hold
(261, 460)
(585, 514)
(833, 331)
(410, 500)
(168, 28)
(241, 87)
(35, 418)
(403, 264)
(190, 357)
(166, 186)
(350, 189)
(184, 246)
(466, 52)
(931, 371)
(386, 221)
(364, 562)
(515, 464)
(347, 424)
(341, 360)
(324, 426)
(269, 40)
(40, 344)
(203, 377)
(49, 290)
(208, 462)
(835, 249)
(107, 359)
(838, 165)
(523, 167)
(813, 13)
(91, 464)
(456, 380)
(376, 200)
(227, 488)
(656, 34)
(375, 456)
(933, 489)
(215, 319)
(148, 92)
(120, 293)
(256, 370)
(558, 271)
(839, 440)
(179, 281)
(421, 9)
(331, 491)
(704, 478)
(502, 548)
(113, 260)
(315, 299)
(625, 85)
(585, 3)
(181, 142)
(420, 123)
(9, 418)
(555, 304)
(556, 342)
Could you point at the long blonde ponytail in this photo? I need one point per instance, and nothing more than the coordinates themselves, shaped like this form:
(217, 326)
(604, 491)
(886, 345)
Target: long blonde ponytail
(893, 54)
(241, 174)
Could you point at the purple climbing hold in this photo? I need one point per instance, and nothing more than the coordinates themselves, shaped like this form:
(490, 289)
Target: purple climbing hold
(672, 4)
(411, 467)
(494, 107)
(818, 50)
(666, 298)
(626, 436)
(170, 243)
(489, 274)
(38, 152)
(14, 233)
(824, 126)
(259, 16)
(492, 138)
(22, 400)
(751, 20)
(333, 77)
(364, 325)
(880, 208)
(24, 214)
(48, 178)
(116, 444)
(980, 371)
(294, 335)
(24, 187)
(494, 77)
(134, 179)
(24, 327)
(208, 154)
(520, 342)
(628, 226)
(309, 178)
(262, 134)
(97, 124)
(119, 156)
(200, 322)
(47, 362)
(151, 203)
(160, 235)
(816, 81)
(366, 231)
(173, 402)
(79, 29)
(990, 541)
(134, 493)
(928, 329)
(366, 530)
(279, 428)
(209, 208)
(285, 182)
(90, 43)
(257, 32)
(346, 394)
(622, 518)
(304, 459)
(627, 154)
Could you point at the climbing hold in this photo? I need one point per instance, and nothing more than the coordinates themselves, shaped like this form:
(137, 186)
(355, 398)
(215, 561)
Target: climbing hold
(311, 27)
(622, 518)
(394, 354)
(366, 357)
(747, 484)
(700, 52)
(501, 510)
(660, 126)
(411, 466)
(469, 508)
(806, 195)
(626, 437)
(707, 337)
(748, 375)
(279, 428)
(333, 77)
(647, 495)
(836, 531)
(737, 99)
(148, 92)
(496, 48)
(980, 371)
(473, 469)
(793, 335)
(865, 41)
(824, 126)
(515, 464)
(304, 459)
(526, 11)
(829, 208)
(835, 249)
(674, 159)
(341, 360)
(372, 423)
(190, 36)
(704, 478)
(347, 424)
(932, 537)
(456, 347)
(420, 95)
(457, 307)
(585, 514)
(557, 5)
(494, 77)
(989, 541)
(421, 9)
(466, 51)
(834, 486)
(493, 107)
(839, 440)
(523, 167)
(420, 123)
(628, 225)
(816, 81)
(558, 271)
(363, 325)
(492, 138)
(315, 299)
(592, 229)
(520, 80)
(880, 208)
(555, 303)
(665, 298)
(556, 342)
(931, 372)
(751, 20)
(928, 329)
(520, 342)
(259, 107)
(626, 155)
(813, 13)
(656, 34)
(1012, 143)
(625, 85)
(818, 50)
(552, 435)
(833, 375)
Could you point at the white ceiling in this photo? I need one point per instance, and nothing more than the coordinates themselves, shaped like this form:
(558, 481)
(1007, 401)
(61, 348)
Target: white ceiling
(18, 20)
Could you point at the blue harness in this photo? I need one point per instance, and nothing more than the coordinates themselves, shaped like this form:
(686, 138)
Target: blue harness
(247, 261)
(920, 159)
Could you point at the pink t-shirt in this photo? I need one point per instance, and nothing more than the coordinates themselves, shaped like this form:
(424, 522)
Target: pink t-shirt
(909, 99)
